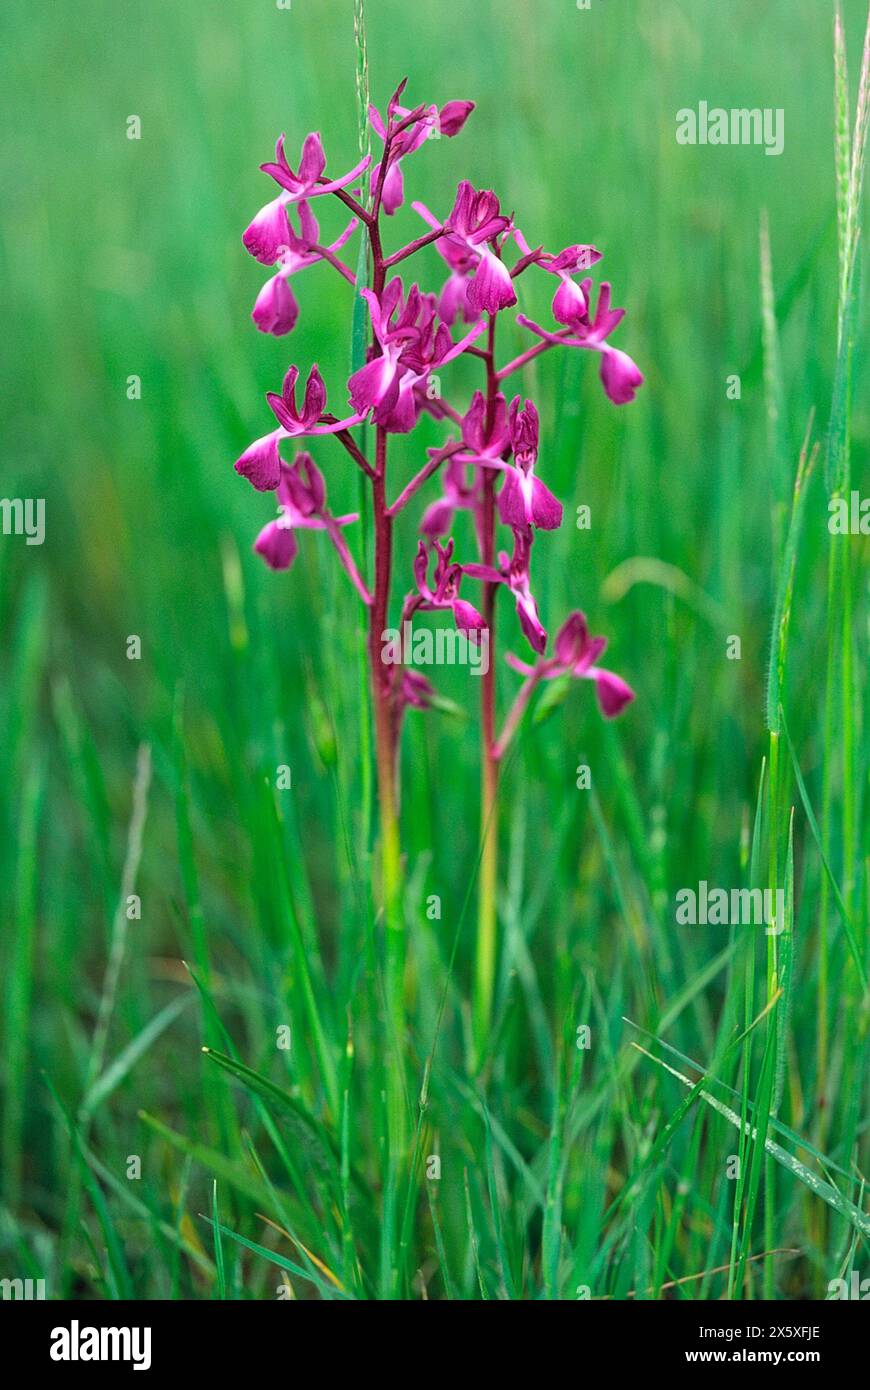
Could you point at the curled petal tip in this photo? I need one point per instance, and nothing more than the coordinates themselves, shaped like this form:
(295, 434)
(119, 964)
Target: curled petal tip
(261, 464)
(613, 693)
(620, 376)
(277, 546)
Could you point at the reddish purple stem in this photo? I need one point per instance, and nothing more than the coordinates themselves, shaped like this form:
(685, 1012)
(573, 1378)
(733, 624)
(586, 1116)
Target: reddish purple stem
(327, 255)
(347, 560)
(423, 476)
(413, 247)
(515, 714)
(523, 358)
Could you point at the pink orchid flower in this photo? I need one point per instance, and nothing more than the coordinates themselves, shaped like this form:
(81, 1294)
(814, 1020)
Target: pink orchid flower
(486, 448)
(267, 233)
(461, 260)
(575, 655)
(524, 500)
(570, 305)
(569, 301)
(475, 224)
(620, 376)
(513, 572)
(437, 520)
(487, 445)
(415, 690)
(433, 349)
(445, 594)
(448, 121)
(411, 346)
(261, 462)
(306, 183)
(479, 279)
(275, 309)
(301, 497)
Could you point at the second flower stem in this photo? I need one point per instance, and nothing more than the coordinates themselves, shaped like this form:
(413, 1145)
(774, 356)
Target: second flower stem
(385, 752)
(488, 880)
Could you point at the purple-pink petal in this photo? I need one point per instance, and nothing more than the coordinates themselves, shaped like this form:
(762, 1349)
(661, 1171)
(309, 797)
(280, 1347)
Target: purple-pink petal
(468, 619)
(374, 385)
(525, 501)
(313, 160)
(314, 403)
(284, 412)
(277, 545)
(275, 308)
(453, 115)
(524, 432)
(512, 506)
(437, 518)
(613, 692)
(260, 463)
(280, 170)
(546, 509)
(402, 415)
(453, 300)
(393, 192)
(268, 233)
(527, 612)
(416, 689)
(491, 287)
(569, 303)
(620, 376)
(571, 639)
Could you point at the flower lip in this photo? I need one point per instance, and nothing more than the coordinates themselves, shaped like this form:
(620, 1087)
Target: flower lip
(268, 232)
(491, 288)
(261, 462)
(275, 308)
(620, 376)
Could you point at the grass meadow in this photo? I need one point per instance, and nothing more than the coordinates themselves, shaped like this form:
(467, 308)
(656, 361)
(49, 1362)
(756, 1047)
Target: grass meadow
(193, 1098)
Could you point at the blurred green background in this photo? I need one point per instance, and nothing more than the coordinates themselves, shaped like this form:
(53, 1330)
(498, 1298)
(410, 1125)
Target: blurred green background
(123, 257)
